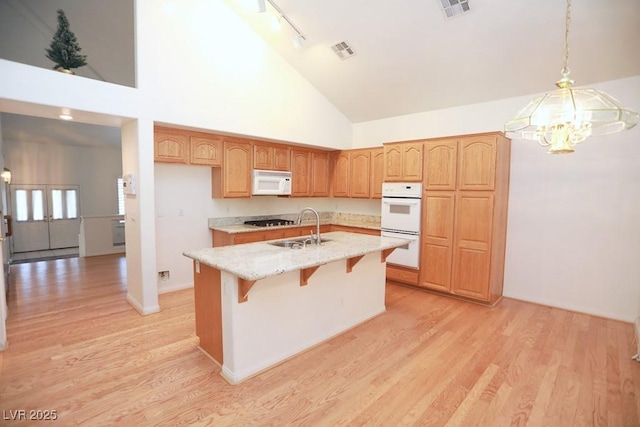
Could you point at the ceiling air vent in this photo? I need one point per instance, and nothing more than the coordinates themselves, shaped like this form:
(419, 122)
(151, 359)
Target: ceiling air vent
(453, 8)
(343, 50)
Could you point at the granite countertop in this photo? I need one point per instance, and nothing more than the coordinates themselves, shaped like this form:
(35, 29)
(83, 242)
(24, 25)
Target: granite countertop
(254, 261)
(326, 218)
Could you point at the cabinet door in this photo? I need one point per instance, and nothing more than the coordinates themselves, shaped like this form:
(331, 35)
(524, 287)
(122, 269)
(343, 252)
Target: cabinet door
(412, 162)
(300, 173)
(377, 172)
(392, 163)
(206, 150)
(340, 180)
(170, 146)
(320, 175)
(262, 157)
(282, 158)
(440, 165)
(477, 163)
(359, 178)
(236, 169)
(251, 237)
(472, 244)
(437, 246)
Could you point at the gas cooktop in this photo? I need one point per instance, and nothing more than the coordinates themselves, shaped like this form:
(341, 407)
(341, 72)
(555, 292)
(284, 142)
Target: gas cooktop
(269, 222)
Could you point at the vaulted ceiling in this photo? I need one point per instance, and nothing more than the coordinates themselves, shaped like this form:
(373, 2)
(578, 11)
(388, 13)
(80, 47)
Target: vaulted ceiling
(408, 57)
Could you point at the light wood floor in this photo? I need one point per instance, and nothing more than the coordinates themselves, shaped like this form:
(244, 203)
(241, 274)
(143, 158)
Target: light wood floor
(76, 346)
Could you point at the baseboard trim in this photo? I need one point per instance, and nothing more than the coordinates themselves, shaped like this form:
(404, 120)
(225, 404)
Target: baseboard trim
(173, 288)
(139, 308)
(569, 307)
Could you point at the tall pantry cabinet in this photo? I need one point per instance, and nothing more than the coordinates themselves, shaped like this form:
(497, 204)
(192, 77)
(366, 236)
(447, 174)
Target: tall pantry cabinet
(466, 190)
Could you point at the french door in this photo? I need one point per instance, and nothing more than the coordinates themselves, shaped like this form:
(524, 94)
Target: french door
(45, 217)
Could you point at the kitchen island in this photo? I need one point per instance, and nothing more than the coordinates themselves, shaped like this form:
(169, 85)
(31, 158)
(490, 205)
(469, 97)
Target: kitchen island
(258, 304)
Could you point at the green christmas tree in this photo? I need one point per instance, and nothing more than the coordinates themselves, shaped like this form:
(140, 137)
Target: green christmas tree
(64, 48)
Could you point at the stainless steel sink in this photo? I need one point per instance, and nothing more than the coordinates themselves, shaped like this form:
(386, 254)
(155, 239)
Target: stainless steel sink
(297, 243)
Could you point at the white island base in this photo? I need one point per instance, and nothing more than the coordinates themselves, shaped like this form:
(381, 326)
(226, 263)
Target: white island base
(282, 317)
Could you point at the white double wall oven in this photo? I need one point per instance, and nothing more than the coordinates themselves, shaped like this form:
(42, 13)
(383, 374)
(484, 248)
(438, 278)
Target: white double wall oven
(401, 217)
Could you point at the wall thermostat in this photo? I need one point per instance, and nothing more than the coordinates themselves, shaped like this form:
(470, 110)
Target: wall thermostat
(129, 183)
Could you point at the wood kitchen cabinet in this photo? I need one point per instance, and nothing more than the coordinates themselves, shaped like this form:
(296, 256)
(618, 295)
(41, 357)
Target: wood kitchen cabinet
(206, 150)
(440, 160)
(465, 216)
(271, 157)
(320, 176)
(477, 158)
(186, 147)
(437, 240)
(300, 173)
(359, 177)
(377, 172)
(310, 173)
(340, 175)
(170, 146)
(358, 173)
(221, 238)
(403, 162)
(233, 178)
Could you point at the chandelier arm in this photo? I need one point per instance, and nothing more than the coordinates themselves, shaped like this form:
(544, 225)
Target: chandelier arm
(565, 63)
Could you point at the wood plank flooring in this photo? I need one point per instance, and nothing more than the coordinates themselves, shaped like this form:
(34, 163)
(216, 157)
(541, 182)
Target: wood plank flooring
(76, 347)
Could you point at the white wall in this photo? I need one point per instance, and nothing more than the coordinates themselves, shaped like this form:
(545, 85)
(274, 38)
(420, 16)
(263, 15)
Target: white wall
(199, 66)
(184, 205)
(573, 235)
(95, 170)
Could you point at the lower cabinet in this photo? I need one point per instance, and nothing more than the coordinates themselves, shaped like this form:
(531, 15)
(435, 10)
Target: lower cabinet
(437, 240)
(400, 274)
(221, 238)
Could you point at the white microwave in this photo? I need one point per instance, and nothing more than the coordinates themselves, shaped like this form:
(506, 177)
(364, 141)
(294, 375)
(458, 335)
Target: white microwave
(271, 183)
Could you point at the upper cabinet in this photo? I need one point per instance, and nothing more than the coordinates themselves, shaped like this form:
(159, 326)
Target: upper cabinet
(271, 157)
(310, 173)
(300, 173)
(440, 159)
(477, 163)
(181, 146)
(233, 179)
(403, 161)
(340, 175)
(171, 146)
(358, 173)
(377, 172)
(206, 150)
(320, 177)
(359, 178)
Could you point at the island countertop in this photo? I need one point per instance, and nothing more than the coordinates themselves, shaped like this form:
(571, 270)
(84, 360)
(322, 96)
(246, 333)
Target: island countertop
(255, 261)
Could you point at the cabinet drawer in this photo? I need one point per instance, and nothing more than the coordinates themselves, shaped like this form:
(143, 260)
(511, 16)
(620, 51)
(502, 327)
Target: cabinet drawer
(404, 275)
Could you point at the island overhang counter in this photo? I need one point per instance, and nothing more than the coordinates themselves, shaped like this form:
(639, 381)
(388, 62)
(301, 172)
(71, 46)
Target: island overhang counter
(258, 304)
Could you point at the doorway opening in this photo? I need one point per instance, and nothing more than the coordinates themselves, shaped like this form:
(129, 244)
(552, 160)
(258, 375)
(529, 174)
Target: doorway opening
(45, 221)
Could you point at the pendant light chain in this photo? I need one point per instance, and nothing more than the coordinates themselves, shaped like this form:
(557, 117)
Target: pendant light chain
(565, 67)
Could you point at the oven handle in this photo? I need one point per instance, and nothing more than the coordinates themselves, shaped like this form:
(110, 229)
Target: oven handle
(401, 202)
(399, 235)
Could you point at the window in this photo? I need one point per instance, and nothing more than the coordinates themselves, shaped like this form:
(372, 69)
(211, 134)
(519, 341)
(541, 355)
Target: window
(64, 204)
(120, 196)
(22, 208)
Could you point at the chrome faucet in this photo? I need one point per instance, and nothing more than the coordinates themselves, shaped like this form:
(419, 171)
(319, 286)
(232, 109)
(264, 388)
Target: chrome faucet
(299, 221)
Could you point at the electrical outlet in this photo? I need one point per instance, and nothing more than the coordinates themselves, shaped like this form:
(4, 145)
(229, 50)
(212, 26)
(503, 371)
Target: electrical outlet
(163, 275)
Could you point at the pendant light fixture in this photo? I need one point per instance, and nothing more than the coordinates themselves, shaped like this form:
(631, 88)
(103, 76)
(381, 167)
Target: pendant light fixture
(567, 116)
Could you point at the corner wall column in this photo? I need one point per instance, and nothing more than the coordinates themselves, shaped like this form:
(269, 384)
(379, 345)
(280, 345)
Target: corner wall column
(137, 160)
